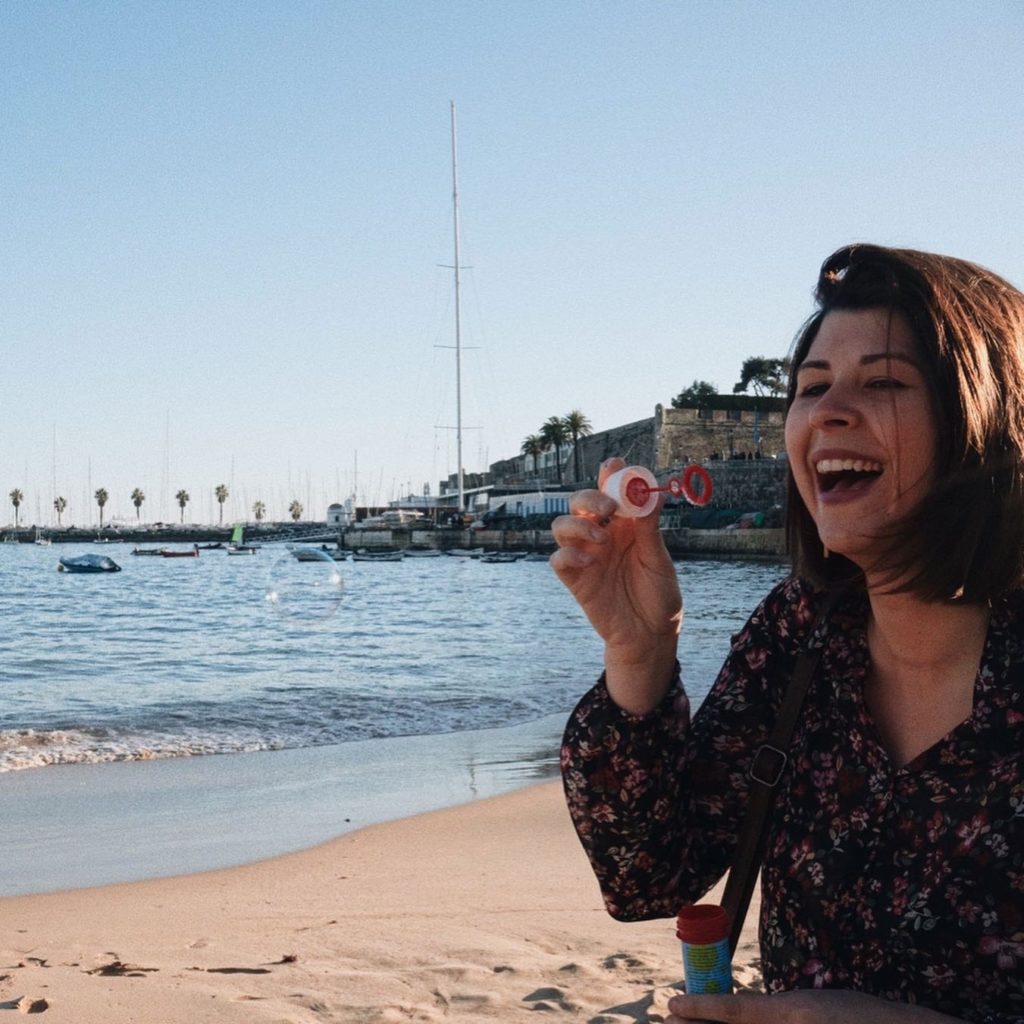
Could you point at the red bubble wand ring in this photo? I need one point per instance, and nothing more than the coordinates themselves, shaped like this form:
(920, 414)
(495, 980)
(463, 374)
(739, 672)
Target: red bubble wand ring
(635, 489)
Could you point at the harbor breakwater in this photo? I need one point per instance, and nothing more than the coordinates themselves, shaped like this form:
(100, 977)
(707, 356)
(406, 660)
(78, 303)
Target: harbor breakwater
(681, 542)
(756, 543)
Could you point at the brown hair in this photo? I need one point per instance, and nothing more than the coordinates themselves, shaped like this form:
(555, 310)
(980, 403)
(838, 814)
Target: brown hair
(966, 538)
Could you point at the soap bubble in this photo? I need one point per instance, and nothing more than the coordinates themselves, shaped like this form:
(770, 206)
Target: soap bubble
(304, 591)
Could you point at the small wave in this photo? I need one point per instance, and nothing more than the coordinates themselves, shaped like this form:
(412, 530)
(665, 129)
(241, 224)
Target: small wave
(23, 749)
(30, 748)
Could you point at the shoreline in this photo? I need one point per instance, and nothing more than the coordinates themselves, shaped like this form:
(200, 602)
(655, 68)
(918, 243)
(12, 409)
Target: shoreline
(483, 912)
(72, 826)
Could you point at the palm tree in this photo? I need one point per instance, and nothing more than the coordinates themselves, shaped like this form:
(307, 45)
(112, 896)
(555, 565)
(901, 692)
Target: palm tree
(295, 510)
(101, 497)
(16, 499)
(534, 447)
(183, 499)
(554, 435)
(222, 495)
(138, 497)
(59, 504)
(259, 510)
(578, 426)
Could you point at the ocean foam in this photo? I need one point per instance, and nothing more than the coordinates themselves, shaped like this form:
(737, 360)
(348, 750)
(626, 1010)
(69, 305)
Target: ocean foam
(30, 748)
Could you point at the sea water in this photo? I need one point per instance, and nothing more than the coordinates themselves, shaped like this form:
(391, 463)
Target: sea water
(223, 654)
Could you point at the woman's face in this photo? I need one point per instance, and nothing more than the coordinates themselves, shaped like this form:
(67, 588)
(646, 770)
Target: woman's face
(861, 432)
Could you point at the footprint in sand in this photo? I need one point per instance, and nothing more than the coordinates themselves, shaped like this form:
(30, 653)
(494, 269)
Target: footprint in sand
(26, 1004)
(550, 999)
(617, 961)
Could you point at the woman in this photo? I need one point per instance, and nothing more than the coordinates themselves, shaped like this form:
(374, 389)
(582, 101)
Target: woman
(893, 879)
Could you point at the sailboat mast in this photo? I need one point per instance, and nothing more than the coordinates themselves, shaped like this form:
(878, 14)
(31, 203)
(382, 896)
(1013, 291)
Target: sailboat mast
(458, 321)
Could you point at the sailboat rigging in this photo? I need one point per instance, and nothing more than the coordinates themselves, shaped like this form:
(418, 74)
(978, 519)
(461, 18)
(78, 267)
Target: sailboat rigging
(458, 319)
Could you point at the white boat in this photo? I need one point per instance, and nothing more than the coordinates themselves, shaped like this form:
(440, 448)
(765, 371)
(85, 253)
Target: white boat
(376, 556)
(43, 542)
(238, 545)
(422, 553)
(499, 556)
(464, 552)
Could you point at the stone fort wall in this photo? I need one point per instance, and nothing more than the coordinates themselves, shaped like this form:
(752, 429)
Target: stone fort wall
(740, 444)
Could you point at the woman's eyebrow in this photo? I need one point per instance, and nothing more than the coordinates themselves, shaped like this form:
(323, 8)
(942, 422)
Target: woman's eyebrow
(867, 360)
(889, 357)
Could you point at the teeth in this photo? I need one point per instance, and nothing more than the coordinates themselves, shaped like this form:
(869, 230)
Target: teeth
(848, 465)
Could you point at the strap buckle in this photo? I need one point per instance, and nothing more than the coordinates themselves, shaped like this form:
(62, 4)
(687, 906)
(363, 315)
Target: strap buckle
(768, 765)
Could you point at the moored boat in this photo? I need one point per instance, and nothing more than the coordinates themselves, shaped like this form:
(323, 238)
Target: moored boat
(376, 556)
(237, 546)
(88, 563)
(192, 552)
(309, 553)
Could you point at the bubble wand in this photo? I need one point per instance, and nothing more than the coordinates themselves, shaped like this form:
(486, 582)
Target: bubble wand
(635, 489)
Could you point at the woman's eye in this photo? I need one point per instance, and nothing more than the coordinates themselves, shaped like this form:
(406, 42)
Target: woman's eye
(813, 390)
(885, 383)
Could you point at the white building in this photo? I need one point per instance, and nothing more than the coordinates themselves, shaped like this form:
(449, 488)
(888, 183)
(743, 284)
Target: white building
(339, 515)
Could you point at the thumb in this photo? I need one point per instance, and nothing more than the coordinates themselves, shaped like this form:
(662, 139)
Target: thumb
(647, 529)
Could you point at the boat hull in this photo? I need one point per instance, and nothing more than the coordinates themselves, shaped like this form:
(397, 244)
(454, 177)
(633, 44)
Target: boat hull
(88, 564)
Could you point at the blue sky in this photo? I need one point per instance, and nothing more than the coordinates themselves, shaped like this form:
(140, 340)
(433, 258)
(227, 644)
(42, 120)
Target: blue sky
(224, 224)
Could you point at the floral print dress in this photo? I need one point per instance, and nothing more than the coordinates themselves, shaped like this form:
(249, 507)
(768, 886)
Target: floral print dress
(903, 882)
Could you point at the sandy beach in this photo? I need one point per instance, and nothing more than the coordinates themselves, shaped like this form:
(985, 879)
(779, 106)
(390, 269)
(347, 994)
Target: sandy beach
(486, 911)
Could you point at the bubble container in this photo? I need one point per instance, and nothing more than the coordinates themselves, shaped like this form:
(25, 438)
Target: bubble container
(703, 930)
(634, 489)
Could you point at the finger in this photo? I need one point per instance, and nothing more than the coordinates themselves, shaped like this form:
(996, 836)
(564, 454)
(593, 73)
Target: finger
(746, 1008)
(647, 531)
(577, 529)
(567, 561)
(593, 504)
(609, 466)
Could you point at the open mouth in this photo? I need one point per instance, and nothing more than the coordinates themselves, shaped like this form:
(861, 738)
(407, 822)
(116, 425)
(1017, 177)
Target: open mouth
(846, 474)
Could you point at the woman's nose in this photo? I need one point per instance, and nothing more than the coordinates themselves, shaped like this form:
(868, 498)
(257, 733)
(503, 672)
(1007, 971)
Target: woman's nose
(835, 408)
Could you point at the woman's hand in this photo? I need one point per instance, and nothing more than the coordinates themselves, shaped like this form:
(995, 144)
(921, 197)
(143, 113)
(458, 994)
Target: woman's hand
(620, 572)
(805, 1006)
